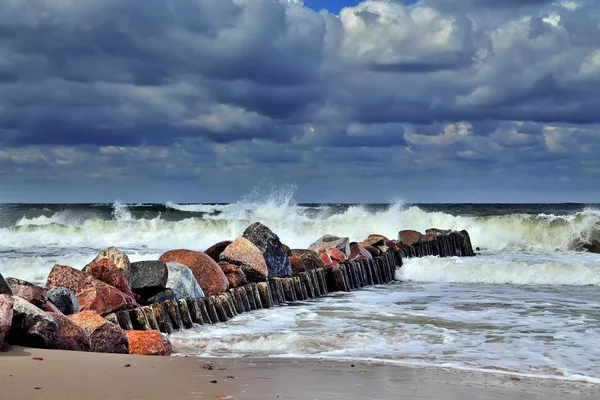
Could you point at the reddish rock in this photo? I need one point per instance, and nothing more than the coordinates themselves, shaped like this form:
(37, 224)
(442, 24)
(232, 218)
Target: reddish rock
(374, 251)
(91, 293)
(33, 294)
(103, 300)
(379, 240)
(409, 237)
(244, 253)
(326, 259)
(69, 335)
(310, 258)
(210, 277)
(105, 337)
(337, 255)
(235, 275)
(215, 250)
(6, 316)
(356, 250)
(148, 343)
(297, 265)
(106, 271)
(119, 258)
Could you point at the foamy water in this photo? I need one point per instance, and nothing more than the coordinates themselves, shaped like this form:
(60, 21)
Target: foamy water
(529, 303)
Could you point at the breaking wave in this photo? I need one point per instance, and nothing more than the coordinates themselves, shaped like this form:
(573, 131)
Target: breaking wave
(200, 225)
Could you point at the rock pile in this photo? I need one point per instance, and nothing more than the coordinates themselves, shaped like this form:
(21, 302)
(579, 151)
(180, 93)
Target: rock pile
(115, 306)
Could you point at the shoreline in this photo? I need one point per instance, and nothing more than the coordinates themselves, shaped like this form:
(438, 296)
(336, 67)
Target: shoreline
(67, 374)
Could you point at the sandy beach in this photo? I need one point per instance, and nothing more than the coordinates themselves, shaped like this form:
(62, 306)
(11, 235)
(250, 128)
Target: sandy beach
(74, 375)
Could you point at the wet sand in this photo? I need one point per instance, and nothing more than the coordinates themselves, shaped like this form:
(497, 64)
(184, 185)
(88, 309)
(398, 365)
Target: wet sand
(73, 375)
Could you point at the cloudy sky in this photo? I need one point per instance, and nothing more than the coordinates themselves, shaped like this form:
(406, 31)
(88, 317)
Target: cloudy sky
(202, 100)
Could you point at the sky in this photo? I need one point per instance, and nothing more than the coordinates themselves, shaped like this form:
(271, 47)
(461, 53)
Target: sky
(374, 101)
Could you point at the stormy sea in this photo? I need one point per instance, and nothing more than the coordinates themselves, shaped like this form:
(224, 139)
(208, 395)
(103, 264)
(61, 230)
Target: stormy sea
(527, 304)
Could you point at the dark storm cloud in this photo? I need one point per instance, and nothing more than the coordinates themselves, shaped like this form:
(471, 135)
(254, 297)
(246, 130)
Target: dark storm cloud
(233, 90)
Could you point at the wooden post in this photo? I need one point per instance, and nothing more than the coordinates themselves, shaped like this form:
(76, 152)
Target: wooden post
(150, 317)
(124, 320)
(162, 318)
(195, 312)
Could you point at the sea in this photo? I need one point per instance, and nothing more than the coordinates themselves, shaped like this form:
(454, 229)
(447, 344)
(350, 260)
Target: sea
(527, 304)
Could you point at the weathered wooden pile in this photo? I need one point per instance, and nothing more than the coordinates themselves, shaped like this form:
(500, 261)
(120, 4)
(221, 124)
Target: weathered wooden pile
(116, 306)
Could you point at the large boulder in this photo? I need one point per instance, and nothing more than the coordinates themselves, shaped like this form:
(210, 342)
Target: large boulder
(216, 249)
(91, 293)
(182, 282)
(330, 241)
(6, 316)
(16, 281)
(105, 337)
(149, 277)
(234, 273)
(34, 294)
(248, 257)
(4, 286)
(272, 249)
(118, 257)
(64, 299)
(337, 255)
(211, 278)
(148, 343)
(409, 237)
(31, 326)
(105, 270)
(68, 335)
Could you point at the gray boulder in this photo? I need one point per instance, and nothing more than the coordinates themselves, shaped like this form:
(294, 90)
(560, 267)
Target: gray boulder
(64, 299)
(31, 327)
(4, 287)
(182, 282)
(272, 249)
(330, 241)
(149, 276)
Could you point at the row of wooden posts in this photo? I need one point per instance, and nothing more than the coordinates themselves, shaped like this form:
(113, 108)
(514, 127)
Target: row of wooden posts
(172, 315)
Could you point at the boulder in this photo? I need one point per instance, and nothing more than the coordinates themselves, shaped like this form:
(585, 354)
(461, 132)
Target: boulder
(103, 300)
(337, 255)
(248, 257)
(68, 335)
(215, 250)
(380, 240)
(234, 273)
(310, 258)
(278, 263)
(51, 308)
(31, 326)
(105, 337)
(436, 231)
(206, 271)
(91, 293)
(34, 294)
(288, 251)
(4, 287)
(409, 237)
(64, 299)
(16, 281)
(326, 260)
(182, 282)
(106, 271)
(330, 241)
(6, 316)
(356, 251)
(149, 277)
(373, 251)
(119, 258)
(297, 265)
(148, 343)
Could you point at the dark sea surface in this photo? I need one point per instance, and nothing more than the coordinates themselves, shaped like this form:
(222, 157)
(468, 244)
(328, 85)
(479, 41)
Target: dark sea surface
(528, 303)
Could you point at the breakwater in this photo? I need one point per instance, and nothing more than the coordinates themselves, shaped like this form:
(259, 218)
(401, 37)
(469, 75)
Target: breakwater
(113, 305)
